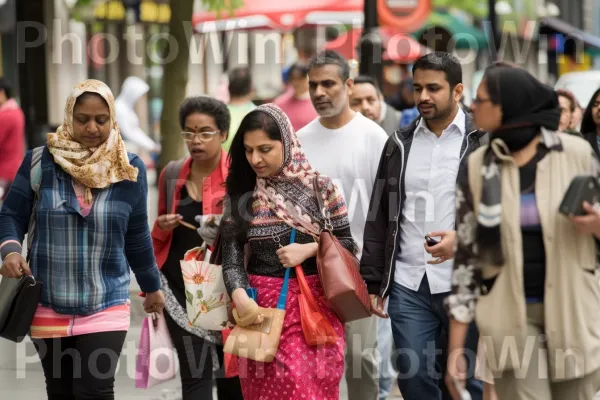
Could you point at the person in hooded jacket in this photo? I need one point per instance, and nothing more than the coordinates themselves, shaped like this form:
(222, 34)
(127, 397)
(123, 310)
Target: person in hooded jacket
(525, 273)
(132, 90)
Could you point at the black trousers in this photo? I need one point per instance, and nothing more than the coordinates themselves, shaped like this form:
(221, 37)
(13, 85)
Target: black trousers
(81, 367)
(195, 367)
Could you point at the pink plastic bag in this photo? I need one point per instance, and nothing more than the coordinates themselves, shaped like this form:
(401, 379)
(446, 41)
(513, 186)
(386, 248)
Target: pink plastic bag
(155, 362)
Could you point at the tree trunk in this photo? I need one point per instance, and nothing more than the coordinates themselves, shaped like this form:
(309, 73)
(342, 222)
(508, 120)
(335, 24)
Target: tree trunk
(175, 80)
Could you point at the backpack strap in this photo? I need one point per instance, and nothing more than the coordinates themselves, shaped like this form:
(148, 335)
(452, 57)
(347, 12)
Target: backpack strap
(172, 171)
(35, 173)
(35, 180)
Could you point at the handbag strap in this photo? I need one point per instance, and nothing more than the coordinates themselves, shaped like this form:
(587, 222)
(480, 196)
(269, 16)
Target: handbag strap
(324, 211)
(284, 288)
(216, 255)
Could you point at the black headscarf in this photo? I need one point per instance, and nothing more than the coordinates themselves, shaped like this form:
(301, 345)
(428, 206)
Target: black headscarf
(527, 105)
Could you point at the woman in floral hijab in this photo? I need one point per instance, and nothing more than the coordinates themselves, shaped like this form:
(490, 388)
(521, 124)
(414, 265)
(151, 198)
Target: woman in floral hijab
(270, 191)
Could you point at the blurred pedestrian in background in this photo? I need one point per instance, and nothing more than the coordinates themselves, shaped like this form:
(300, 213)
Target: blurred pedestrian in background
(568, 104)
(12, 137)
(132, 90)
(367, 99)
(240, 100)
(410, 111)
(295, 102)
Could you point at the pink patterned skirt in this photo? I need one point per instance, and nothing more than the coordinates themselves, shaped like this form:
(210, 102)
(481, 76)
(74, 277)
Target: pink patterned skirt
(299, 371)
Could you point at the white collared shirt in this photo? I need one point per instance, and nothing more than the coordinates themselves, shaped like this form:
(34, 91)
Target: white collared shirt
(430, 185)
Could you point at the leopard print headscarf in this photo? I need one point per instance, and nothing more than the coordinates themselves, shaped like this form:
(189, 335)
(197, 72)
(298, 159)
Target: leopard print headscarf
(97, 167)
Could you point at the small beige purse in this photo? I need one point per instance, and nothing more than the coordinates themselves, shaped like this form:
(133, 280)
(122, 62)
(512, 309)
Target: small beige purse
(259, 342)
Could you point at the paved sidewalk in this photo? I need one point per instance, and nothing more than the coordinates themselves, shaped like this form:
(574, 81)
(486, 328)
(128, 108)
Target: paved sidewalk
(21, 374)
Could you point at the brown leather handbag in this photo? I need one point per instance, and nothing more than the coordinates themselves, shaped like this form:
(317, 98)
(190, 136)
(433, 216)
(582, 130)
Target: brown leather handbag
(339, 270)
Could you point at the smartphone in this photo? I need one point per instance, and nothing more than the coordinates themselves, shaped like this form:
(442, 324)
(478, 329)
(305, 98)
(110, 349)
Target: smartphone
(431, 242)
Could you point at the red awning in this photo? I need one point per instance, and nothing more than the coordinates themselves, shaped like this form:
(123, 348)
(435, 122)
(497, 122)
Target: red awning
(342, 12)
(282, 15)
(397, 46)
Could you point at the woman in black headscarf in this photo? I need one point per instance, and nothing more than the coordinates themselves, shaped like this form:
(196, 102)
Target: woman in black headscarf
(524, 272)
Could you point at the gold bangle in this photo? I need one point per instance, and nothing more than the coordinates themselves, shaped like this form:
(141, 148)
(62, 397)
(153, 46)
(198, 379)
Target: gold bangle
(10, 254)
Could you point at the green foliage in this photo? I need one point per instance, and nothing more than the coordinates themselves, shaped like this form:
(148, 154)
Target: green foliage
(83, 3)
(220, 5)
(477, 8)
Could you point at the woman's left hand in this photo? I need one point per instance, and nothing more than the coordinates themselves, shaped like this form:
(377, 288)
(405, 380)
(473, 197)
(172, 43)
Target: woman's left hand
(154, 302)
(295, 254)
(588, 224)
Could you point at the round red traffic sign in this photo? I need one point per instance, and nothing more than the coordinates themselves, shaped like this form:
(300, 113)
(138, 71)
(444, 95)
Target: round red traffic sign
(393, 13)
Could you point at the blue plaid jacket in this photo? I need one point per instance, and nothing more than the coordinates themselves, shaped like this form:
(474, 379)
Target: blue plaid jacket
(84, 262)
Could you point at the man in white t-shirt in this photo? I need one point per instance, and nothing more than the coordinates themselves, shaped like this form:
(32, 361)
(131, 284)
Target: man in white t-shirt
(346, 146)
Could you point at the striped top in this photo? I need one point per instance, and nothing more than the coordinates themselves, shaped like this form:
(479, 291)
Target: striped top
(48, 324)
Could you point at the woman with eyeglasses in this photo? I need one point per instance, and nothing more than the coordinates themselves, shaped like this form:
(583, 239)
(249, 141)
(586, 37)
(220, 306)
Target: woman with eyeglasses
(195, 186)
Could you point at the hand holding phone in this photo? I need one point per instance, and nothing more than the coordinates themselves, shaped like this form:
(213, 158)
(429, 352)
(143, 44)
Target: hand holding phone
(441, 249)
(430, 241)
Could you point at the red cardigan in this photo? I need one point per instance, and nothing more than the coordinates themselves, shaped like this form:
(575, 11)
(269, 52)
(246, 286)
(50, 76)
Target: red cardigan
(213, 190)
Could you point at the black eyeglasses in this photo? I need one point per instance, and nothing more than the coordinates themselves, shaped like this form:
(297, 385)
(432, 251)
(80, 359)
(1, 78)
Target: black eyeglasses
(478, 101)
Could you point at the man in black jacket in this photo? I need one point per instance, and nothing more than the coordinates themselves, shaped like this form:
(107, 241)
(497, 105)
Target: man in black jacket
(415, 196)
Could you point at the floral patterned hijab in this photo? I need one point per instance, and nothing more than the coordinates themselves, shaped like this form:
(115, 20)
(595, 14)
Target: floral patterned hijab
(97, 167)
(287, 193)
